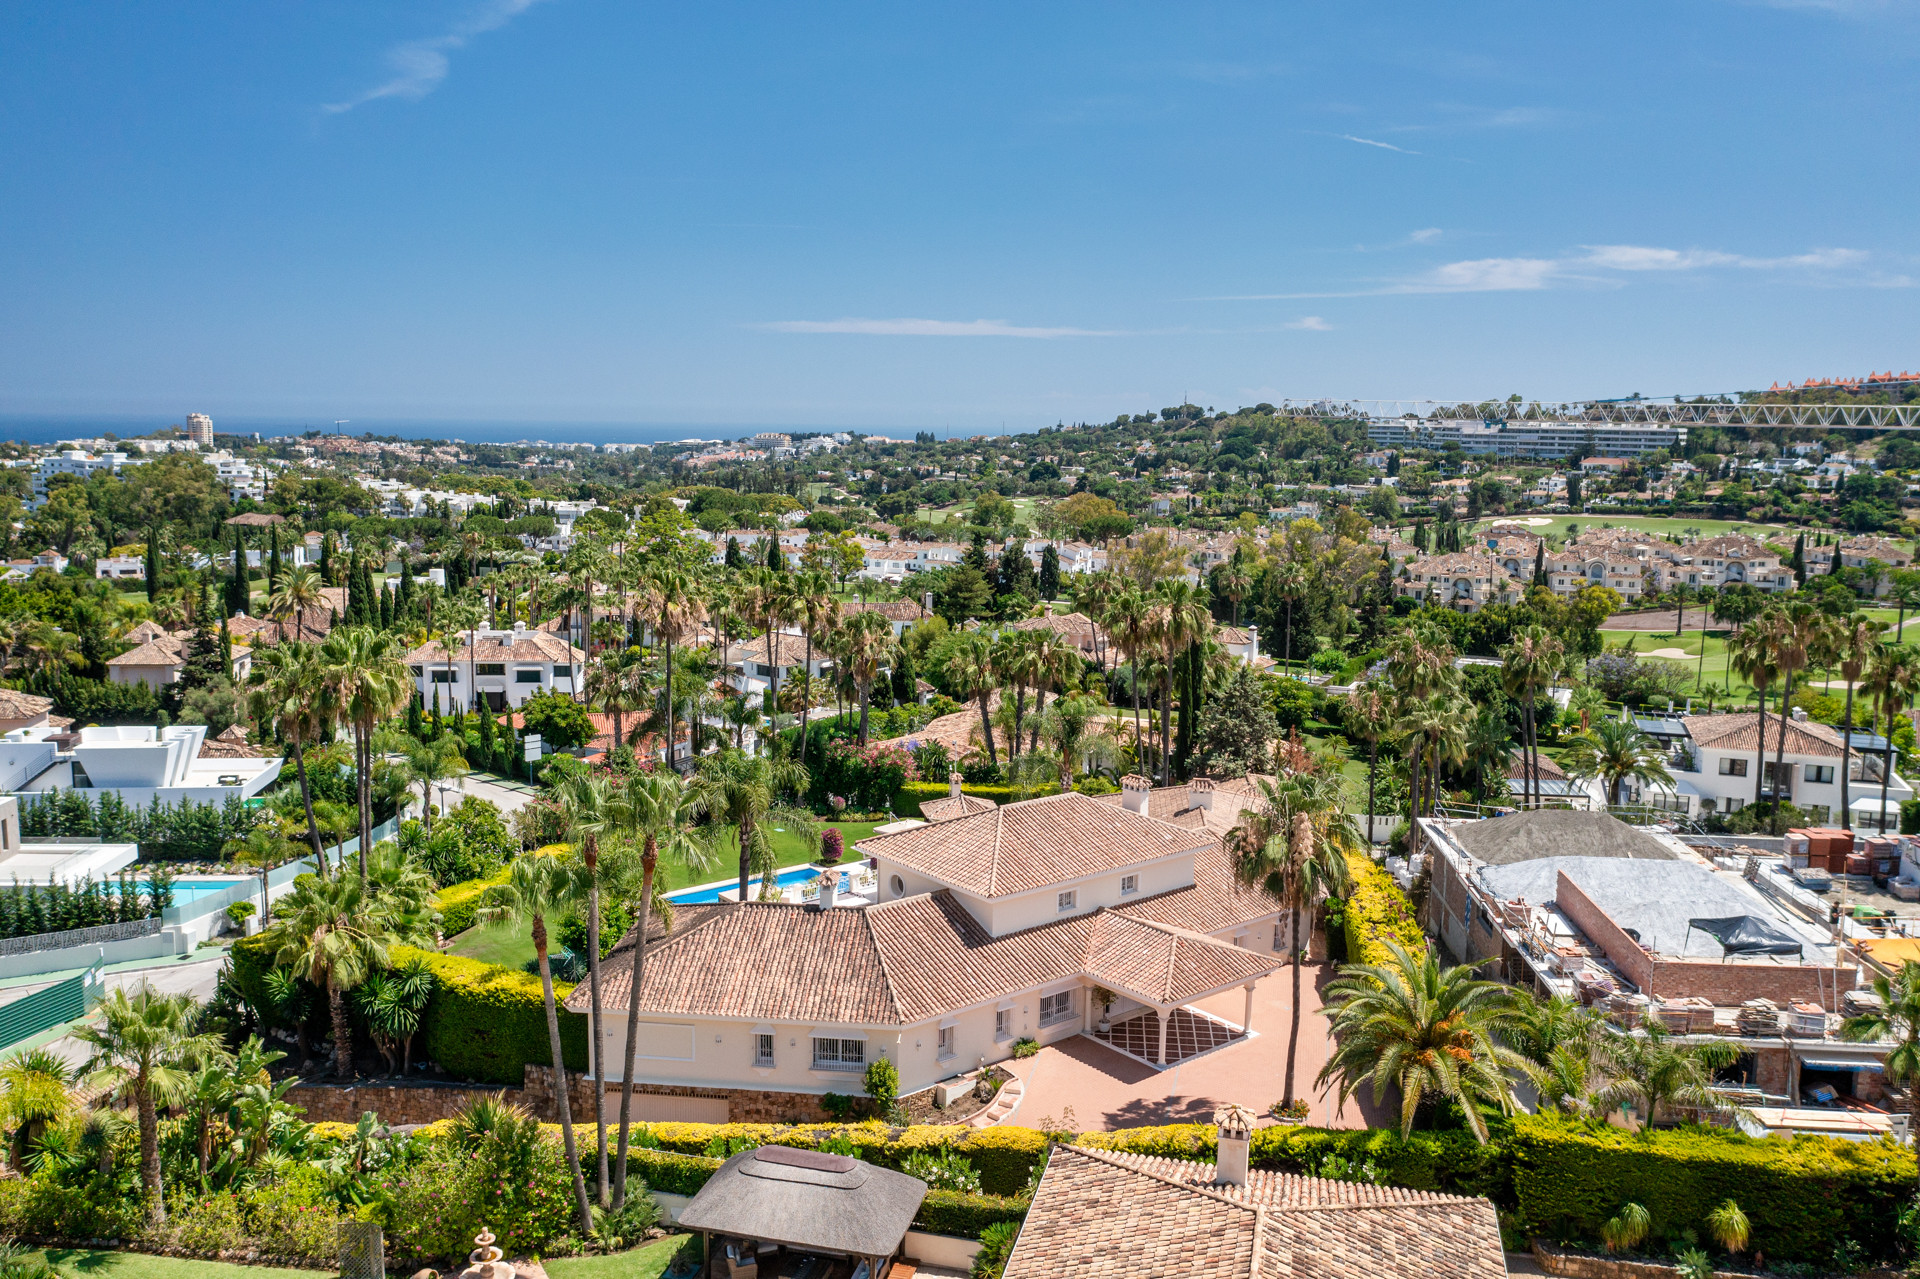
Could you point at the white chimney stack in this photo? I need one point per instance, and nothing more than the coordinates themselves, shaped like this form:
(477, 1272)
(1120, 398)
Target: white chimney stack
(1200, 793)
(953, 785)
(1134, 790)
(926, 601)
(829, 886)
(1236, 1137)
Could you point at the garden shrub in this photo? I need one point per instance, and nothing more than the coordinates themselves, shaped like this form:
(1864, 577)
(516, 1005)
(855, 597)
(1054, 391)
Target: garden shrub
(996, 1249)
(434, 1208)
(1450, 1162)
(42, 1208)
(1005, 1156)
(956, 1212)
(909, 798)
(295, 1216)
(214, 1224)
(1803, 1196)
(670, 1173)
(1174, 1141)
(1378, 912)
(459, 904)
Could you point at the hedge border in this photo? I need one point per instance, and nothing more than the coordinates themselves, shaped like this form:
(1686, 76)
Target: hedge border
(1378, 912)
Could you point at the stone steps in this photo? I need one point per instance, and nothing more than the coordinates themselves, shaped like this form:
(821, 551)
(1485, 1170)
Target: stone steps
(1004, 1104)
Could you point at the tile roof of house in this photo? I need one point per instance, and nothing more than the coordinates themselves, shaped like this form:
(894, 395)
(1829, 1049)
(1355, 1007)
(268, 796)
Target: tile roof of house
(1033, 843)
(957, 732)
(231, 744)
(790, 650)
(1100, 1214)
(1213, 903)
(522, 646)
(904, 961)
(1181, 804)
(15, 704)
(1517, 766)
(948, 807)
(1740, 731)
(892, 610)
(1077, 628)
(145, 631)
(160, 652)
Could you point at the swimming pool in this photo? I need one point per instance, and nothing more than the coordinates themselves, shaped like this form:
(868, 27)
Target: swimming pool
(186, 890)
(791, 877)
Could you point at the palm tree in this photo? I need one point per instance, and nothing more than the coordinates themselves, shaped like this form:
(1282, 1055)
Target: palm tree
(1128, 620)
(291, 698)
(1897, 1018)
(333, 933)
(1528, 665)
(144, 1044)
(1614, 750)
(1235, 582)
(1293, 845)
(613, 685)
(663, 808)
(451, 622)
(1648, 1073)
(1754, 656)
(1075, 728)
(867, 644)
(970, 670)
(1289, 583)
(1796, 633)
(370, 680)
(536, 888)
(431, 762)
(1427, 1030)
(680, 607)
(766, 595)
(818, 612)
(1184, 619)
(296, 590)
(588, 800)
(36, 1095)
(1894, 680)
(263, 848)
(1850, 643)
(745, 792)
(1369, 716)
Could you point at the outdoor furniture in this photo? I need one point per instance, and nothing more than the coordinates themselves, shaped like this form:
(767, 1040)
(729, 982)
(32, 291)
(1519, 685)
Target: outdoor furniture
(741, 1261)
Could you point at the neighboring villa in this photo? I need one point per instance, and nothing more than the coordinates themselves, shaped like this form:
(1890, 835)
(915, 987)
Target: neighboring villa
(143, 765)
(160, 658)
(1713, 759)
(749, 667)
(991, 926)
(503, 667)
(1635, 564)
(1466, 581)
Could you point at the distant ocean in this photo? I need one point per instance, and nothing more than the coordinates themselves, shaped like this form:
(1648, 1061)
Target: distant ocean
(49, 428)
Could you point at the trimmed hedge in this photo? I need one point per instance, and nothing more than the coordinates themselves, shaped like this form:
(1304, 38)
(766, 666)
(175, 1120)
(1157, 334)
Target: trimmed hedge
(1378, 912)
(483, 1022)
(674, 1174)
(1803, 1195)
(908, 798)
(955, 1212)
(459, 904)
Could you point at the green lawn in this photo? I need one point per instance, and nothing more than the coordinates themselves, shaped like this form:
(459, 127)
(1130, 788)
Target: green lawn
(99, 1263)
(648, 1261)
(509, 945)
(1556, 532)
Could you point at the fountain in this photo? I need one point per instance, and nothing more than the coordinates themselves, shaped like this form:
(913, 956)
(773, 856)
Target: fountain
(485, 1260)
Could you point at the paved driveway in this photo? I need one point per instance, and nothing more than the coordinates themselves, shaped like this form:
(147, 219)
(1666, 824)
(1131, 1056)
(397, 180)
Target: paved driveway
(1107, 1089)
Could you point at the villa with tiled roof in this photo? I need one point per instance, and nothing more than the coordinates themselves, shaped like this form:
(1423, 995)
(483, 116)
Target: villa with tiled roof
(984, 928)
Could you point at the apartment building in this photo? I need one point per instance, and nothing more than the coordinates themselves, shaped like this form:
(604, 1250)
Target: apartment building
(1527, 439)
(1466, 581)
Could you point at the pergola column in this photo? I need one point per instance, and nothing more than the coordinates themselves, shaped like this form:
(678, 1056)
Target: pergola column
(1166, 1015)
(1246, 1022)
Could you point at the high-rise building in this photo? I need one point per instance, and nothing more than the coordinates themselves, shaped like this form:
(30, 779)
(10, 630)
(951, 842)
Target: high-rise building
(200, 429)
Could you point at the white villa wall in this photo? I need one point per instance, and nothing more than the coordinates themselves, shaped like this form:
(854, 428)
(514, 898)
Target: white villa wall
(1721, 787)
(1029, 910)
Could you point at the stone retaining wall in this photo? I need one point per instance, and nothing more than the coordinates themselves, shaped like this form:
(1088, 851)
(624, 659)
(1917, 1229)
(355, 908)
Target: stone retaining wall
(1578, 1265)
(423, 1103)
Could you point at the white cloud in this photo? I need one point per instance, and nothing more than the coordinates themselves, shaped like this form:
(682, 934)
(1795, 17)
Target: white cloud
(420, 65)
(1311, 323)
(932, 328)
(1369, 142)
(1486, 275)
(1426, 235)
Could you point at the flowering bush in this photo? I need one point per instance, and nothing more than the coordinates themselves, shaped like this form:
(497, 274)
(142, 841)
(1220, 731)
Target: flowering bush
(833, 846)
(434, 1208)
(869, 776)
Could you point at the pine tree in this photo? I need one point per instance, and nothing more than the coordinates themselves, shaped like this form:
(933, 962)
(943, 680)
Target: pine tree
(202, 664)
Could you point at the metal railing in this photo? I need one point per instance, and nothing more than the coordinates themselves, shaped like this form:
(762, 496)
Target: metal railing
(279, 877)
(97, 935)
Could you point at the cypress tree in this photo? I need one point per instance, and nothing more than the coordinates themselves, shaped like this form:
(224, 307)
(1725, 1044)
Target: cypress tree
(386, 608)
(414, 726)
(1049, 573)
(273, 558)
(1540, 563)
(775, 560)
(326, 559)
(1833, 569)
(239, 594)
(486, 735)
(734, 558)
(153, 564)
(1799, 560)
(226, 648)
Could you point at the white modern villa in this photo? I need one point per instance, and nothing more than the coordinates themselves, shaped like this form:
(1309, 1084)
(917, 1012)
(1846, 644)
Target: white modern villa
(143, 765)
(503, 667)
(981, 929)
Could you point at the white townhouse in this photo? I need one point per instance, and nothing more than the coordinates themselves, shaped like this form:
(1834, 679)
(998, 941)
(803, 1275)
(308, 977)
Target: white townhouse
(1713, 759)
(1466, 581)
(751, 666)
(1075, 557)
(504, 668)
(995, 925)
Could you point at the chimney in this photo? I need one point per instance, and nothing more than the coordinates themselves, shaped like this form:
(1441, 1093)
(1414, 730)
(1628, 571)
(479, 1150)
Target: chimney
(829, 885)
(1236, 1135)
(953, 785)
(1253, 642)
(1799, 714)
(926, 601)
(1200, 794)
(1134, 790)
(519, 629)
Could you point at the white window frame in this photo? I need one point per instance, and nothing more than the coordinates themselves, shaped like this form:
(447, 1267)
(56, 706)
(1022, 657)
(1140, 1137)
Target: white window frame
(1066, 899)
(1732, 766)
(762, 1048)
(1129, 884)
(1817, 774)
(1002, 1024)
(839, 1061)
(1062, 1002)
(944, 1045)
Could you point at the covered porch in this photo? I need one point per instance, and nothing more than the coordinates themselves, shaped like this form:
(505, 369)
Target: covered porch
(1167, 1040)
(1146, 979)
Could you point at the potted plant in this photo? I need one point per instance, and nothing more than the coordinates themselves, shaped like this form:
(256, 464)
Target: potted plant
(1105, 998)
(1292, 1115)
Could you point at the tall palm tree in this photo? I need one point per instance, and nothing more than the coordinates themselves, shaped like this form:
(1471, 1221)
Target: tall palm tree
(679, 606)
(1429, 1031)
(431, 762)
(262, 849)
(1528, 665)
(586, 564)
(970, 670)
(1850, 643)
(766, 595)
(1235, 582)
(1897, 1018)
(144, 1044)
(1184, 619)
(289, 697)
(1128, 619)
(1013, 662)
(1796, 633)
(1054, 664)
(296, 590)
(1894, 680)
(333, 933)
(869, 645)
(1075, 727)
(1292, 845)
(663, 808)
(1754, 656)
(452, 622)
(34, 1094)
(589, 802)
(1289, 583)
(1369, 716)
(539, 888)
(818, 612)
(747, 793)
(370, 680)
(613, 686)
(1614, 750)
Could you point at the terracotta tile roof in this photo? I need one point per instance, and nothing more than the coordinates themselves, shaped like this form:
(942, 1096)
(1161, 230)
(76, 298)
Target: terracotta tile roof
(1213, 904)
(958, 732)
(1181, 804)
(146, 631)
(1101, 1214)
(1030, 844)
(240, 625)
(160, 652)
(892, 610)
(231, 744)
(905, 961)
(1076, 628)
(791, 650)
(1548, 770)
(1740, 731)
(526, 646)
(15, 704)
(951, 806)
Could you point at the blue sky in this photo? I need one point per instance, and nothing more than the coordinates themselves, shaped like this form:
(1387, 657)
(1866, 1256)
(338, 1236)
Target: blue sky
(926, 215)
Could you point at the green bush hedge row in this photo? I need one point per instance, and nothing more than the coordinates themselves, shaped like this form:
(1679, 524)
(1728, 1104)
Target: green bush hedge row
(483, 1022)
(458, 904)
(1378, 912)
(909, 798)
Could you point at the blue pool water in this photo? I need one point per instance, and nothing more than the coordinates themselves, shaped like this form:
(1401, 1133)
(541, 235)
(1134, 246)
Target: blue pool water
(185, 890)
(791, 877)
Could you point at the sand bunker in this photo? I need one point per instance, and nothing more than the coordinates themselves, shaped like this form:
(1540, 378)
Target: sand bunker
(1671, 654)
